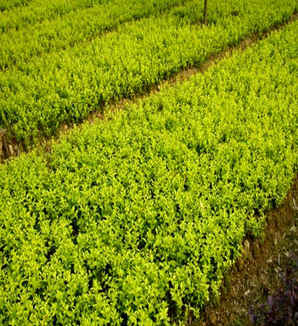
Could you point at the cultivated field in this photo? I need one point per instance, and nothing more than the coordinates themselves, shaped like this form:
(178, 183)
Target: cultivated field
(135, 218)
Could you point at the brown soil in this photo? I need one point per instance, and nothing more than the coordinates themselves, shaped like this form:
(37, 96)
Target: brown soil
(258, 273)
(9, 147)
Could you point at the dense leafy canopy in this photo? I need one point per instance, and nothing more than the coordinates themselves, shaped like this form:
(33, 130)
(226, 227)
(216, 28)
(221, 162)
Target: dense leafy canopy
(133, 220)
(52, 77)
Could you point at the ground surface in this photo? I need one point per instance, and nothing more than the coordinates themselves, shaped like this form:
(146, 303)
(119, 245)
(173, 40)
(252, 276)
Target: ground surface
(261, 274)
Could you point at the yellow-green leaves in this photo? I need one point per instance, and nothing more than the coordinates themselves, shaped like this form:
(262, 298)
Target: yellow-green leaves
(134, 220)
(39, 93)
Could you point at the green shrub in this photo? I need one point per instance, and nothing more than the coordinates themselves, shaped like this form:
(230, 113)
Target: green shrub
(134, 220)
(36, 97)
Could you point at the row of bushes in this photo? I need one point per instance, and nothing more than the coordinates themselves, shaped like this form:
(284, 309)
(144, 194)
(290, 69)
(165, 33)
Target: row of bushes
(65, 86)
(17, 14)
(77, 26)
(133, 220)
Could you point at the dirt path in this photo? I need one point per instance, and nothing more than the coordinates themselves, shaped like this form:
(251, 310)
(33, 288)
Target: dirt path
(266, 278)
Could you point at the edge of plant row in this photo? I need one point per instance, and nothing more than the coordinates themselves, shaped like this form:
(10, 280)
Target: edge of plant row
(256, 256)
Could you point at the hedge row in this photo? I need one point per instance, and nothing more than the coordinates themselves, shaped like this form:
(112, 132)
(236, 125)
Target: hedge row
(77, 26)
(36, 11)
(65, 86)
(133, 220)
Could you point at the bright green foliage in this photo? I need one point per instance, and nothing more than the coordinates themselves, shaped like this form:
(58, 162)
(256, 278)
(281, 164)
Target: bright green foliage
(65, 86)
(133, 220)
(39, 10)
(7, 4)
(77, 26)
